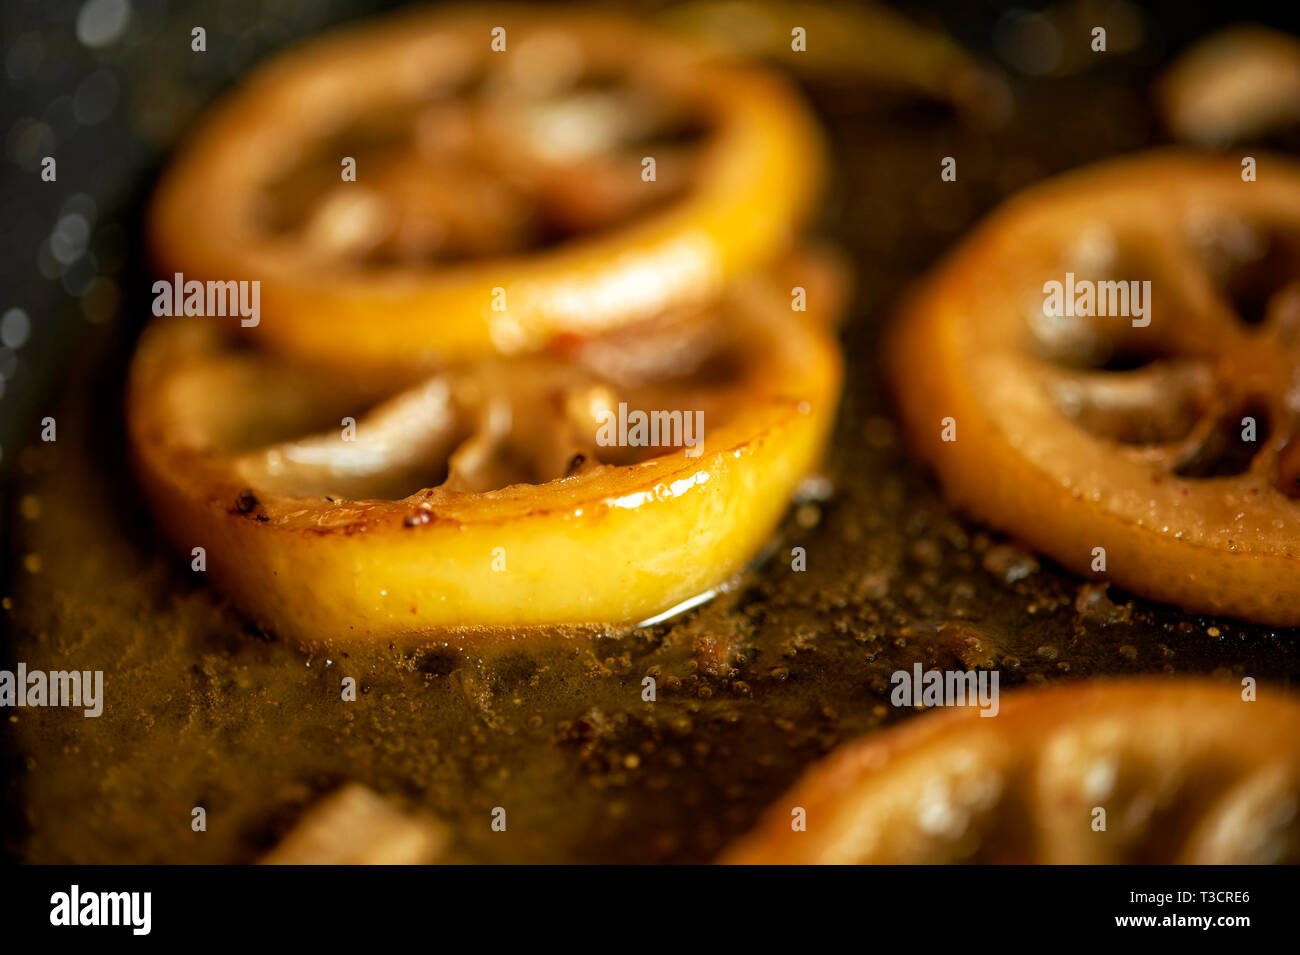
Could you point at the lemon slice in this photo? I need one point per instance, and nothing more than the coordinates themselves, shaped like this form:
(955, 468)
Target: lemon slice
(505, 493)
(518, 176)
(1140, 771)
(1155, 448)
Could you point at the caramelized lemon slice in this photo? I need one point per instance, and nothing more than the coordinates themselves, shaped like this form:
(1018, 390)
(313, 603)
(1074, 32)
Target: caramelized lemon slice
(1143, 427)
(499, 494)
(1143, 771)
(518, 176)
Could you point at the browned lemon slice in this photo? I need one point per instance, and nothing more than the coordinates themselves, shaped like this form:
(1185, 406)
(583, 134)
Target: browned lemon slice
(508, 493)
(502, 194)
(1182, 771)
(1156, 450)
